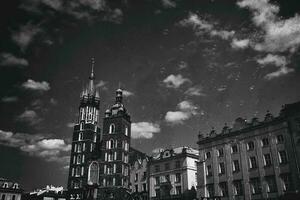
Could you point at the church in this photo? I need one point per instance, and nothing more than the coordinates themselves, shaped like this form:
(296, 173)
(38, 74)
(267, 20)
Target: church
(99, 162)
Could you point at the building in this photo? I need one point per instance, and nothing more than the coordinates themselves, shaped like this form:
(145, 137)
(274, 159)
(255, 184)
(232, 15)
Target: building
(99, 163)
(172, 174)
(48, 193)
(252, 160)
(9, 190)
(139, 172)
(84, 168)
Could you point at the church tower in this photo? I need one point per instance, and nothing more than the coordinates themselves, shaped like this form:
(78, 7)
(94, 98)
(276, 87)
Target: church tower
(84, 168)
(114, 166)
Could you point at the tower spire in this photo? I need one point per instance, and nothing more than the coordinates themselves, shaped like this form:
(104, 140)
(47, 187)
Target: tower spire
(92, 77)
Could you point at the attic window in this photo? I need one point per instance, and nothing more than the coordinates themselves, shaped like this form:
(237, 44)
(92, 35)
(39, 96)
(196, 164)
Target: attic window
(5, 185)
(16, 186)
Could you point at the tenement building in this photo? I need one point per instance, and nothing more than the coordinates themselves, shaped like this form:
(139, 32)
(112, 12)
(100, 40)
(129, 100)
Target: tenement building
(10, 190)
(47, 193)
(172, 174)
(252, 160)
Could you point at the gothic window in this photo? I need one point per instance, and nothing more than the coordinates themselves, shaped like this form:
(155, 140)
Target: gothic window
(83, 158)
(80, 136)
(75, 148)
(77, 171)
(81, 126)
(112, 128)
(82, 171)
(110, 156)
(79, 148)
(78, 159)
(111, 144)
(83, 147)
(126, 130)
(93, 174)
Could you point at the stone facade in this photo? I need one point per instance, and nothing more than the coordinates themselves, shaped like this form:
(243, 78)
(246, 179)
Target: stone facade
(10, 190)
(251, 160)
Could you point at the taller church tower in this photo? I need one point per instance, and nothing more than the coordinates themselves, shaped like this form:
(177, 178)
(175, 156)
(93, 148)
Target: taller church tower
(114, 164)
(84, 168)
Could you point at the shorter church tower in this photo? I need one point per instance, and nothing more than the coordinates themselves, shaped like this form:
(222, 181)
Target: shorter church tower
(114, 166)
(84, 168)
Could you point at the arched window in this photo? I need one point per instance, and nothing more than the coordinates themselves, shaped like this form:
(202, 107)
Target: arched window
(16, 186)
(80, 136)
(78, 159)
(93, 174)
(112, 128)
(126, 130)
(79, 148)
(5, 185)
(78, 171)
(81, 126)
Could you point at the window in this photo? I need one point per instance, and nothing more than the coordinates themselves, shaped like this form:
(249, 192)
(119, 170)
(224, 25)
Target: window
(167, 166)
(14, 197)
(111, 156)
(177, 164)
(79, 148)
(236, 166)
(207, 155)
(223, 189)
(271, 184)
(81, 126)
(82, 171)
(234, 149)
(177, 177)
(157, 192)
(75, 147)
(267, 160)
(210, 190)
(83, 147)
(282, 157)
(73, 171)
(111, 144)
(221, 168)
(286, 182)
(265, 142)
(74, 159)
(83, 158)
(280, 139)
(220, 153)
(250, 146)
(112, 128)
(144, 187)
(167, 178)
(178, 190)
(208, 170)
(92, 147)
(136, 188)
(237, 187)
(3, 197)
(157, 180)
(77, 171)
(255, 186)
(157, 168)
(109, 169)
(252, 162)
(80, 136)
(136, 177)
(78, 159)
(126, 130)
(144, 175)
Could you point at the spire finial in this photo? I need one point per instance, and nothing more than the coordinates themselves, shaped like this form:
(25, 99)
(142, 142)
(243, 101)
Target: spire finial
(92, 65)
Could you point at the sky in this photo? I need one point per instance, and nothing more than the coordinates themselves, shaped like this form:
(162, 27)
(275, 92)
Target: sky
(185, 67)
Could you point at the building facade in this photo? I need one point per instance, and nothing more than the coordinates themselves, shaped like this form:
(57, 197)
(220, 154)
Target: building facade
(10, 190)
(172, 173)
(251, 160)
(139, 172)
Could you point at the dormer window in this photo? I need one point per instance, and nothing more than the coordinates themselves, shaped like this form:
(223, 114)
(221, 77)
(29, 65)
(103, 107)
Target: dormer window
(112, 128)
(5, 185)
(15, 186)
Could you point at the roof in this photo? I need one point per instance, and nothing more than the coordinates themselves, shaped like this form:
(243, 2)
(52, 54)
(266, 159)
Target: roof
(176, 151)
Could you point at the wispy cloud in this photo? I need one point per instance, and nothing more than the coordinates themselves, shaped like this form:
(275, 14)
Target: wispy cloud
(272, 59)
(30, 117)
(25, 35)
(9, 99)
(175, 81)
(49, 149)
(145, 130)
(8, 59)
(168, 3)
(35, 85)
(201, 26)
(186, 109)
(196, 90)
(102, 85)
(127, 93)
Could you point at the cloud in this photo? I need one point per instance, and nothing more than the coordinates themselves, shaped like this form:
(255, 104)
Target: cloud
(9, 99)
(279, 34)
(94, 4)
(127, 93)
(280, 72)
(29, 116)
(54, 4)
(25, 35)
(273, 59)
(240, 44)
(8, 59)
(201, 26)
(35, 85)
(168, 3)
(186, 109)
(101, 84)
(70, 124)
(115, 16)
(175, 81)
(222, 88)
(195, 91)
(50, 149)
(144, 130)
